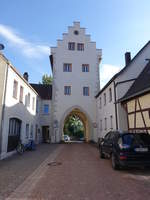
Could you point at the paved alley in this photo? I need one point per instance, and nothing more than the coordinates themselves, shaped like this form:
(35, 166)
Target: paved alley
(75, 172)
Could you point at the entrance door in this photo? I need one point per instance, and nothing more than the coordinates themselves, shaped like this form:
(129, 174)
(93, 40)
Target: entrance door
(45, 134)
(14, 133)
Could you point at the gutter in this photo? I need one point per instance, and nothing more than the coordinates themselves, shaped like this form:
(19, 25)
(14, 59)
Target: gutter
(116, 115)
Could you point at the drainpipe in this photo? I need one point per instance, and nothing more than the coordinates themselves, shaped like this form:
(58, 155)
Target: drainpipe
(3, 109)
(116, 115)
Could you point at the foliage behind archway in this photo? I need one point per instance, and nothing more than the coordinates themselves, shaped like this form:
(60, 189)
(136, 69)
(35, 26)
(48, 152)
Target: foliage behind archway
(74, 127)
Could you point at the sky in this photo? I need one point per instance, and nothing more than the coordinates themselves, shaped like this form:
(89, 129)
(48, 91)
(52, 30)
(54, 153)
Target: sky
(28, 28)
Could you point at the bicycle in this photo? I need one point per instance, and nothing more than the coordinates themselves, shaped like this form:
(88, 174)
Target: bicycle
(21, 148)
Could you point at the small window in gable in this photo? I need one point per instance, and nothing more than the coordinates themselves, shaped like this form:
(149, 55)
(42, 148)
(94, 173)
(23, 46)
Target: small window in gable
(71, 46)
(80, 47)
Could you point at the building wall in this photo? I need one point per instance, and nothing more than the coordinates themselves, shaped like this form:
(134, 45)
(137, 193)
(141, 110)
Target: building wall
(136, 123)
(105, 111)
(15, 109)
(76, 79)
(131, 72)
(45, 118)
(3, 71)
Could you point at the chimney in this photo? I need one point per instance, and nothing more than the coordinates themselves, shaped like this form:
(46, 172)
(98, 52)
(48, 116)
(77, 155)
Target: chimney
(26, 76)
(127, 58)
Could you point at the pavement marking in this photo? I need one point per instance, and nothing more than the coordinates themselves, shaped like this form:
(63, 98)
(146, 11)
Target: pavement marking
(23, 191)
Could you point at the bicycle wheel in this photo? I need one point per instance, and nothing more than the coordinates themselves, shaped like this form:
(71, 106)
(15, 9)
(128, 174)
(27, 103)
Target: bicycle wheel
(20, 149)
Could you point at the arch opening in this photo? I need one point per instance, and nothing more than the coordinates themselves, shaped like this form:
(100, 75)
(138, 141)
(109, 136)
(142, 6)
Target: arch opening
(76, 126)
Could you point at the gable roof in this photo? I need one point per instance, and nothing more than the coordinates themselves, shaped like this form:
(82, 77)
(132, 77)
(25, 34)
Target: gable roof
(140, 86)
(121, 71)
(44, 91)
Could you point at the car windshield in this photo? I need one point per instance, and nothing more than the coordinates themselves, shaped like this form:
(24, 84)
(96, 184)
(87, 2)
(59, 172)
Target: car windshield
(136, 139)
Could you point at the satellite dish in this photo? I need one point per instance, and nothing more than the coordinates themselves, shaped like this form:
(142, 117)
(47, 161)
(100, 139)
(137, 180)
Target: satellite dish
(1, 47)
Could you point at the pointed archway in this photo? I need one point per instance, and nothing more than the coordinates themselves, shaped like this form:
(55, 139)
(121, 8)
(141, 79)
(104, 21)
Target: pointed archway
(77, 111)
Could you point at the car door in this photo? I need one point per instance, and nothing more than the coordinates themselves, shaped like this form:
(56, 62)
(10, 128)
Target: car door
(107, 143)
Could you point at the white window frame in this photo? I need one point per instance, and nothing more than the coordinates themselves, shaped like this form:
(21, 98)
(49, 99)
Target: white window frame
(67, 90)
(67, 67)
(85, 67)
(86, 91)
(111, 122)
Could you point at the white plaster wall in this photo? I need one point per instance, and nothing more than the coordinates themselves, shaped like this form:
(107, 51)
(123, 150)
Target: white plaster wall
(76, 79)
(3, 69)
(106, 111)
(13, 108)
(131, 72)
(45, 119)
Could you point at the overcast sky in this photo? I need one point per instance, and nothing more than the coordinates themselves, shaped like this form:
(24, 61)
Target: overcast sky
(28, 28)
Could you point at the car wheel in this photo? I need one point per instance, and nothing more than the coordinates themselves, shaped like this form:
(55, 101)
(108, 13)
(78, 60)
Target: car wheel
(114, 163)
(101, 153)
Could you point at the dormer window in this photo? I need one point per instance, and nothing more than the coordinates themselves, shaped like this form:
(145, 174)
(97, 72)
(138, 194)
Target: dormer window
(80, 47)
(71, 46)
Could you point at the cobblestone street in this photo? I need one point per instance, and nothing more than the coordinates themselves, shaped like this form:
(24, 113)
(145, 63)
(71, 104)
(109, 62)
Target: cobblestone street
(75, 172)
(15, 169)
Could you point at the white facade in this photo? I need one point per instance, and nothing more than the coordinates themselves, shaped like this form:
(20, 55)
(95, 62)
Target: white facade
(18, 108)
(106, 118)
(64, 104)
(119, 85)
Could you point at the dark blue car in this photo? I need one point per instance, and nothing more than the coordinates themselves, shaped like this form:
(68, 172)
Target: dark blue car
(126, 149)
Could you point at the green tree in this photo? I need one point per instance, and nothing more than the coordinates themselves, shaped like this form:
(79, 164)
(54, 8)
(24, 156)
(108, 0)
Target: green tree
(47, 80)
(74, 127)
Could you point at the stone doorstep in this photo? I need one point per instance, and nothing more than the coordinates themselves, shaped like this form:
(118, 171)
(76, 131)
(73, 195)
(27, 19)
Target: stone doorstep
(24, 190)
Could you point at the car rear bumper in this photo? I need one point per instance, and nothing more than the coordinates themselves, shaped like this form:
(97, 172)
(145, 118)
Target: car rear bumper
(134, 163)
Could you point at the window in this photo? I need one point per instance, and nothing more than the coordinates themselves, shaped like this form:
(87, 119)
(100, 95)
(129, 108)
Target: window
(67, 67)
(101, 125)
(111, 122)
(71, 46)
(28, 100)
(80, 47)
(15, 89)
(100, 103)
(110, 95)
(76, 32)
(33, 103)
(27, 130)
(85, 91)
(85, 68)
(46, 109)
(105, 123)
(21, 94)
(104, 99)
(67, 90)
(31, 131)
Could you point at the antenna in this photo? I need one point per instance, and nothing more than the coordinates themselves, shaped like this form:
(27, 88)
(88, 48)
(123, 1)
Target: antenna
(2, 46)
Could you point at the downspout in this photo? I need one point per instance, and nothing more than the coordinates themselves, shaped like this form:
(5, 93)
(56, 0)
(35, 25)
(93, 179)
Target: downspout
(116, 115)
(3, 109)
